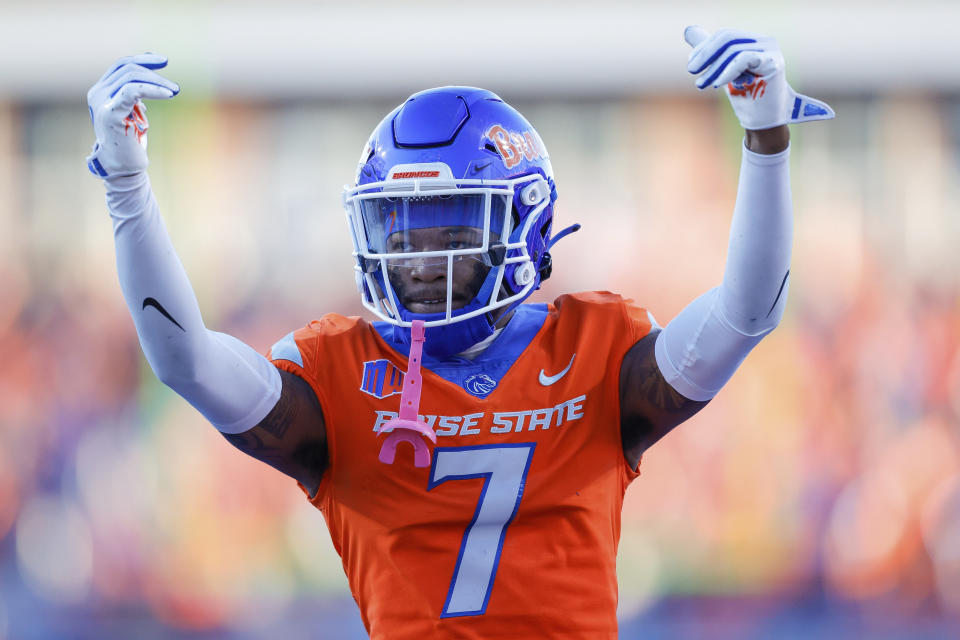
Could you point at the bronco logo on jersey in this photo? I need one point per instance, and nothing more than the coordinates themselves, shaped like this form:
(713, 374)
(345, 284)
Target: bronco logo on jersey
(381, 378)
(480, 385)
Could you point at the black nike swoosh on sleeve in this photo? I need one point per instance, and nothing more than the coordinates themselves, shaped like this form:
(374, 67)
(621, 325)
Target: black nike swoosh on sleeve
(150, 302)
(779, 293)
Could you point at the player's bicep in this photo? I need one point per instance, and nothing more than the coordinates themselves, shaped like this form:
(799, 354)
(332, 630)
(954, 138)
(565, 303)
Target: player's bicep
(292, 437)
(649, 406)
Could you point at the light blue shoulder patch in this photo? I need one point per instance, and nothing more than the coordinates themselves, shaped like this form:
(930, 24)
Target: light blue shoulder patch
(286, 349)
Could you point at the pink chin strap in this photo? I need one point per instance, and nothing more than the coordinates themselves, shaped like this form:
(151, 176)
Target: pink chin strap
(408, 427)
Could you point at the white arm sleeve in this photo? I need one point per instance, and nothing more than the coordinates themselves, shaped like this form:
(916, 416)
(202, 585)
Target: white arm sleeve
(699, 350)
(231, 384)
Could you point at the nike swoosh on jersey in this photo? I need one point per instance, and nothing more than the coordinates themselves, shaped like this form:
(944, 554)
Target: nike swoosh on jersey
(150, 302)
(546, 380)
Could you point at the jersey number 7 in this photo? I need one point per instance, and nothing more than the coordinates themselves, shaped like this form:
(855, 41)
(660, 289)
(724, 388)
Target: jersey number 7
(504, 469)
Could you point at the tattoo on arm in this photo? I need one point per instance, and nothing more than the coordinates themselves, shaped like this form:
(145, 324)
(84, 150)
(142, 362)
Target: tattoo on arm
(280, 417)
(649, 406)
(251, 442)
(292, 437)
(654, 388)
(248, 441)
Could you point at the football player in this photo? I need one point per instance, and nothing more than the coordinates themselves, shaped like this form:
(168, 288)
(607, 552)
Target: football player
(508, 525)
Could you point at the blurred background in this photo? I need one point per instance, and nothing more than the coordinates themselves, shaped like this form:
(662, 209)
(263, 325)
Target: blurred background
(817, 496)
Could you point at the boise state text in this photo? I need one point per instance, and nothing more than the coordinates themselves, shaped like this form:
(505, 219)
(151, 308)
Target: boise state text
(500, 422)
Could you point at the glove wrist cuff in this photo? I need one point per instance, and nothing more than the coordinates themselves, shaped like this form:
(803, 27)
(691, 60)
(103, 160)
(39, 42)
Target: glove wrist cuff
(125, 183)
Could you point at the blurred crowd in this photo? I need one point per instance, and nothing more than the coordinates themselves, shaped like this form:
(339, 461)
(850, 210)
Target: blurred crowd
(829, 469)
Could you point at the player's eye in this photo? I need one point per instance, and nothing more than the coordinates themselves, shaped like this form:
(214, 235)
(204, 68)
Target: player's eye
(464, 239)
(399, 246)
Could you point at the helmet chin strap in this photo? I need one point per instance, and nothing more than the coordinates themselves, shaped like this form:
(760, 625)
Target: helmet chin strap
(450, 339)
(472, 352)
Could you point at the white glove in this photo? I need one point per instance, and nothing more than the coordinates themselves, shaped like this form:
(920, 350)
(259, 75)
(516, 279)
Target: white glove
(752, 69)
(119, 116)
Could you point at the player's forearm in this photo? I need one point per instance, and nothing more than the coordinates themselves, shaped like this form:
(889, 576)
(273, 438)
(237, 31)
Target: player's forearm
(154, 283)
(231, 384)
(767, 141)
(756, 276)
(701, 348)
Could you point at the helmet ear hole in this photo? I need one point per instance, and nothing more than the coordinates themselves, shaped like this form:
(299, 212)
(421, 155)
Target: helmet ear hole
(524, 274)
(535, 192)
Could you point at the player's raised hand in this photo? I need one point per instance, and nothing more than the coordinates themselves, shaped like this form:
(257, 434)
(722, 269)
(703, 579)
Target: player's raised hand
(119, 115)
(752, 68)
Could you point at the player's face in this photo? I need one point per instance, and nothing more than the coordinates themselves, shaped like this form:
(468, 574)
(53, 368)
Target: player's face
(421, 283)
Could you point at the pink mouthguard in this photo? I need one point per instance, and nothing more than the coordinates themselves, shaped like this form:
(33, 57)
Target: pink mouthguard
(408, 427)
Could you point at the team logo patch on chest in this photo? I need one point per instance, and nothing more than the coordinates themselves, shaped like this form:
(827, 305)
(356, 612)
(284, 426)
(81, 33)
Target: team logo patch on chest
(381, 378)
(479, 384)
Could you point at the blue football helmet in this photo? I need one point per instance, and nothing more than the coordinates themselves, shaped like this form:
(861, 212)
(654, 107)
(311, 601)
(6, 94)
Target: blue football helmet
(450, 215)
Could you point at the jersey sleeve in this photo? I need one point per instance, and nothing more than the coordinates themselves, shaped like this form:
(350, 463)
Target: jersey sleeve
(313, 353)
(639, 319)
(297, 353)
(619, 323)
(640, 322)
(294, 352)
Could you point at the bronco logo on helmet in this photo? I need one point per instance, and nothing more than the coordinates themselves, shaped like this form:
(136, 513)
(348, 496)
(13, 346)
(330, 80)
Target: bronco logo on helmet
(514, 147)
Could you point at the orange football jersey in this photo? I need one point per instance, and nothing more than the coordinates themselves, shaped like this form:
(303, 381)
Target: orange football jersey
(512, 531)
